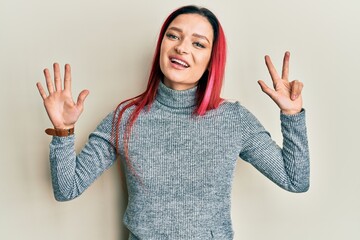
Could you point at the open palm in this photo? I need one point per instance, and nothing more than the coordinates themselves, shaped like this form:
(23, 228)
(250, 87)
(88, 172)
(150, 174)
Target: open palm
(60, 107)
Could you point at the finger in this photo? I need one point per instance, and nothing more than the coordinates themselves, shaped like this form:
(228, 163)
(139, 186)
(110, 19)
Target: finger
(270, 92)
(48, 80)
(270, 66)
(57, 77)
(285, 69)
(81, 98)
(296, 89)
(41, 90)
(67, 77)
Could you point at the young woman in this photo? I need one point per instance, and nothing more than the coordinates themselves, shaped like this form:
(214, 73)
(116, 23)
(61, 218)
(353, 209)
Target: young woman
(179, 139)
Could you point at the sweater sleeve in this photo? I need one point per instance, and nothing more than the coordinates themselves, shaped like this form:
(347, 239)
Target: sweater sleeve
(288, 166)
(72, 174)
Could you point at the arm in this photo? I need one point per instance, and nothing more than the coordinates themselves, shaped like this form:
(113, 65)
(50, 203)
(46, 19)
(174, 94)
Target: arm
(72, 174)
(287, 167)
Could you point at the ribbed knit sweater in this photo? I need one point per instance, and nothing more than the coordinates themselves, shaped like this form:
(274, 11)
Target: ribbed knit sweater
(184, 163)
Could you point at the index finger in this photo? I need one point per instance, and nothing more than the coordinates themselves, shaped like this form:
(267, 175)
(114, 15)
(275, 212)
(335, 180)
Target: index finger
(270, 66)
(285, 69)
(48, 80)
(41, 90)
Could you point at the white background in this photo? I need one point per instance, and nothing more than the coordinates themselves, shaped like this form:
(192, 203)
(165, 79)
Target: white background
(110, 45)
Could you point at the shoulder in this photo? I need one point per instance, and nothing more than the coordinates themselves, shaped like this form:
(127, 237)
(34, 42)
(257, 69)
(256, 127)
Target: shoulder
(234, 107)
(113, 115)
(227, 110)
(237, 111)
(123, 109)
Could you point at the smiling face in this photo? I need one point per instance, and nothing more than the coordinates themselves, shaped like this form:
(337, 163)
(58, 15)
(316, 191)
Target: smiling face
(186, 51)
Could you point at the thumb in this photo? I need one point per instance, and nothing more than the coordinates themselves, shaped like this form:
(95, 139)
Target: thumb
(270, 92)
(81, 98)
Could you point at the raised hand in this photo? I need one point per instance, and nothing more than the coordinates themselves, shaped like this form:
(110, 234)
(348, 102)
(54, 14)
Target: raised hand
(287, 95)
(60, 107)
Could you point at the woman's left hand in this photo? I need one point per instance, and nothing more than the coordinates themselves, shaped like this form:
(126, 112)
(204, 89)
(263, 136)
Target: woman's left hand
(287, 95)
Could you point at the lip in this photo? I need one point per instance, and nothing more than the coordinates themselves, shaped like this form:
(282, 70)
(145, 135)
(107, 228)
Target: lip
(181, 59)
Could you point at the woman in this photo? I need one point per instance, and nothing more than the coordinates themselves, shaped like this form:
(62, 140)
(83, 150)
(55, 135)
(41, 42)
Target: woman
(179, 139)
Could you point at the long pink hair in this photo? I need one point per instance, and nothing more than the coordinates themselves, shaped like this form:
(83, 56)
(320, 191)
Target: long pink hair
(209, 85)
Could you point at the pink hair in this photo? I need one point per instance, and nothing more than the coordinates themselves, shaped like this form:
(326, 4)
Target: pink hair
(209, 85)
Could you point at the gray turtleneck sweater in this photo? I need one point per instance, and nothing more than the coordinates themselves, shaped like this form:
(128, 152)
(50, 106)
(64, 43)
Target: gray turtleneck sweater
(184, 163)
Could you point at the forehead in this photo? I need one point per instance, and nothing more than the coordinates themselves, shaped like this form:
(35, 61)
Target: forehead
(193, 24)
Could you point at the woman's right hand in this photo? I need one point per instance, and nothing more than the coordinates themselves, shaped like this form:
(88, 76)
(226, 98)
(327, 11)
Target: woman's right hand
(60, 107)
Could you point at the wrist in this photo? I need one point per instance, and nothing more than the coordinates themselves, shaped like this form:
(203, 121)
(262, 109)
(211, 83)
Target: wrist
(63, 126)
(65, 132)
(290, 112)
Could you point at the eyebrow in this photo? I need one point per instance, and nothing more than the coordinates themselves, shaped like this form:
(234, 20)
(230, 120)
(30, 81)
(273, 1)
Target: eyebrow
(194, 34)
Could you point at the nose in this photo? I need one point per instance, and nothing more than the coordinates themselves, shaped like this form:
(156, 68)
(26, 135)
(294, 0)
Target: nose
(182, 48)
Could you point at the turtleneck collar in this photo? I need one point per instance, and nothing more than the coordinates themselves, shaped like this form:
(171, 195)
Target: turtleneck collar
(176, 98)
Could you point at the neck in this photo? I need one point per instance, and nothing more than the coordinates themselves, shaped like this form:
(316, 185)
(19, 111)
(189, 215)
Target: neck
(176, 98)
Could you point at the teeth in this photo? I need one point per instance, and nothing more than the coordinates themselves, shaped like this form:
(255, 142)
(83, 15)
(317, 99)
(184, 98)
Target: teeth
(179, 62)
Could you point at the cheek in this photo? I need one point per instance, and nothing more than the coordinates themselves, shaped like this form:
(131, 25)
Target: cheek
(161, 57)
(205, 60)
(165, 46)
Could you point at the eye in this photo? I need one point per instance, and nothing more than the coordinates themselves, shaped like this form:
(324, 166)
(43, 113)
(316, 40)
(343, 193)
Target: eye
(172, 36)
(198, 45)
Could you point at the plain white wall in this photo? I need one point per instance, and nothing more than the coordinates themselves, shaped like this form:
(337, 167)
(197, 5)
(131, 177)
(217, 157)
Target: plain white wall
(110, 44)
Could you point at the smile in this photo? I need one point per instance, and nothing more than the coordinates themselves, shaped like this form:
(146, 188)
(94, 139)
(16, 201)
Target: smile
(179, 62)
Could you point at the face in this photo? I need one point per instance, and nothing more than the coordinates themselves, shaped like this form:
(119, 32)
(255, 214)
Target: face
(185, 51)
